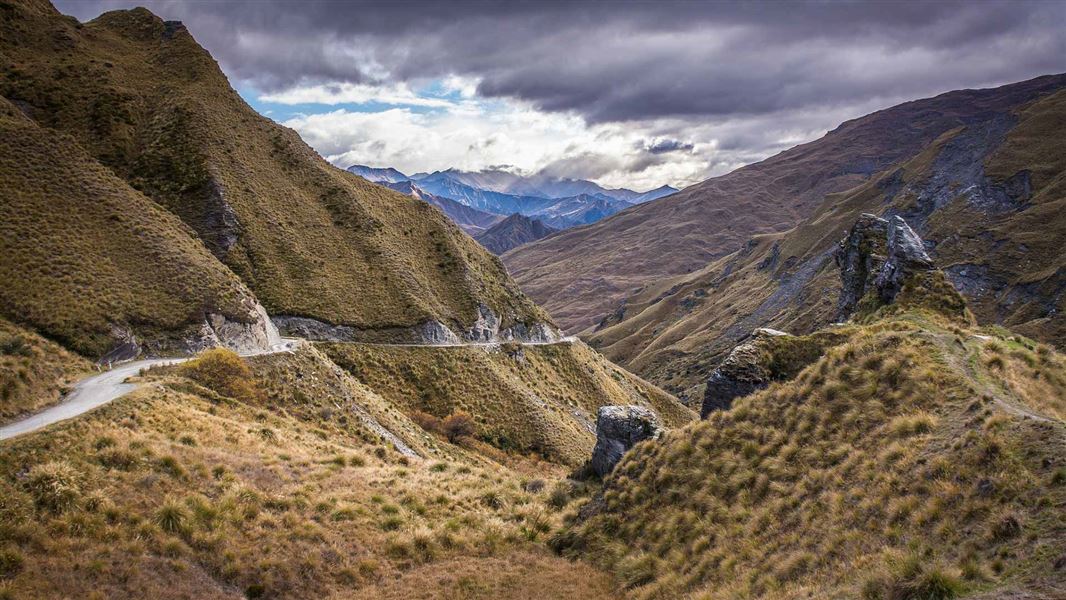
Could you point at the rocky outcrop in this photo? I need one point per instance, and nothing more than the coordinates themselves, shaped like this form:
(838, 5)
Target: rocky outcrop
(250, 334)
(256, 334)
(744, 371)
(619, 428)
(487, 329)
(875, 258)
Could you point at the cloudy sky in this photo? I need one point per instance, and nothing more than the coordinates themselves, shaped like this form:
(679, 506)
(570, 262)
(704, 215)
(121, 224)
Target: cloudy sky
(625, 93)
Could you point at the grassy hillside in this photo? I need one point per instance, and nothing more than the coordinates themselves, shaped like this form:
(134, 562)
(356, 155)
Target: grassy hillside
(147, 101)
(33, 370)
(986, 197)
(918, 459)
(86, 257)
(532, 399)
(182, 490)
(582, 275)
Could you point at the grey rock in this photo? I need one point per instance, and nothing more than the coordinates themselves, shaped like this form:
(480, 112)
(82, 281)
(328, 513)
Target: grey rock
(740, 374)
(619, 428)
(254, 334)
(876, 256)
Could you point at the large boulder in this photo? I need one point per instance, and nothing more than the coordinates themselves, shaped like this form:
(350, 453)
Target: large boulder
(742, 372)
(619, 428)
(875, 258)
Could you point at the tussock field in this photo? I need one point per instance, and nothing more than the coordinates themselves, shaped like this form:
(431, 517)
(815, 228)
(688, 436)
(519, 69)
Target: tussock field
(33, 371)
(538, 399)
(919, 458)
(210, 483)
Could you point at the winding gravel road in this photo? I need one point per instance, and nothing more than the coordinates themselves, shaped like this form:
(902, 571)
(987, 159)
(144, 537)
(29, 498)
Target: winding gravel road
(98, 390)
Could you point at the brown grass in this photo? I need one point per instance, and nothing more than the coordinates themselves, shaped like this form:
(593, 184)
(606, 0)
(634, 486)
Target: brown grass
(898, 443)
(538, 399)
(313, 240)
(34, 372)
(180, 491)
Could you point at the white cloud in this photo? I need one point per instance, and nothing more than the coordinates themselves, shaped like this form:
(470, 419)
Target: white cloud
(476, 134)
(354, 93)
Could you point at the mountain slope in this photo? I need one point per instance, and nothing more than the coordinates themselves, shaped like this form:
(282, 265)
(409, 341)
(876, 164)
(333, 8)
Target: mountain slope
(92, 263)
(584, 274)
(539, 399)
(512, 232)
(655, 194)
(916, 457)
(987, 198)
(310, 240)
(376, 175)
(578, 210)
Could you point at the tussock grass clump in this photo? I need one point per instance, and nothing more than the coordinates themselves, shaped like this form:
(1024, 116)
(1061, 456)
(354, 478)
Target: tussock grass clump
(55, 486)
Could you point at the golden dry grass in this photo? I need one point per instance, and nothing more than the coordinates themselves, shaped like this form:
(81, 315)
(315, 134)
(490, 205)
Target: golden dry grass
(911, 455)
(149, 103)
(82, 252)
(178, 491)
(532, 399)
(33, 371)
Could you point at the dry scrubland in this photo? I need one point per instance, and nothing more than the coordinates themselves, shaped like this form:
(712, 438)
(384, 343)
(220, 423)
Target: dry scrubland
(208, 483)
(532, 399)
(34, 372)
(151, 106)
(919, 458)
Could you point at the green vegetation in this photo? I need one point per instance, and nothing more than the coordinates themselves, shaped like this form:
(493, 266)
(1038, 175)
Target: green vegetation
(538, 399)
(898, 465)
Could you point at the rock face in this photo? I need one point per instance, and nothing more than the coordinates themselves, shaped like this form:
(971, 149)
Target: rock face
(876, 256)
(741, 373)
(619, 428)
(487, 329)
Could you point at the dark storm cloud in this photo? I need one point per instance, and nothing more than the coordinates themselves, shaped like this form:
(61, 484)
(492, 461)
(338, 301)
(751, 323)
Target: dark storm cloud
(664, 146)
(638, 60)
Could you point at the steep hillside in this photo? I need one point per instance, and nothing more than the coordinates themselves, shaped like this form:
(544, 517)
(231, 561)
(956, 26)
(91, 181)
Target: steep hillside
(92, 263)
(310, 240)
(512, 232)
(987, 198)
(916, 458)
(532, 399)
(33, 370)
(182, 490)
(586, 273)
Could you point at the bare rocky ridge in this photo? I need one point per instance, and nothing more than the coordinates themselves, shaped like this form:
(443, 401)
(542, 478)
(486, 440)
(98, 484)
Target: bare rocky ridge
(875, 258)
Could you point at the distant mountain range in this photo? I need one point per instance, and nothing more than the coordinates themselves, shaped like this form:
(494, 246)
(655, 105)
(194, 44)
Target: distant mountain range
(512, 232)
(477, 200)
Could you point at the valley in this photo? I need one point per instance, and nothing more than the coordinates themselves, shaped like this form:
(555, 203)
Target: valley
(230, 368)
